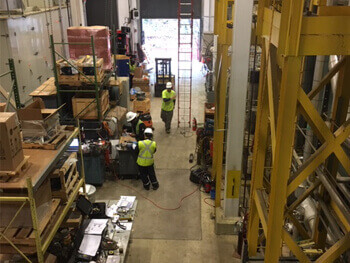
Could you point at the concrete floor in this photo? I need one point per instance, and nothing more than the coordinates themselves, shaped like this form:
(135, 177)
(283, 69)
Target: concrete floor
(172, 154)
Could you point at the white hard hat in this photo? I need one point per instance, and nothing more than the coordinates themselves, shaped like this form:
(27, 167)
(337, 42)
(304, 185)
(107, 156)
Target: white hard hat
(148, 131)
(169, 85)
(130, 116)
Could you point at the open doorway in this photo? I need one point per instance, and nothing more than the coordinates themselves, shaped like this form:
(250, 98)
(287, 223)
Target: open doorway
(161, 40)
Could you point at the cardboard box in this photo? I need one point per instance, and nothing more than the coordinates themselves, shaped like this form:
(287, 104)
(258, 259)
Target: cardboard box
(81, 107)
(36, 120)
(142, 106)
(126, 139)
(120, 114)
(142, 83)
(138, 73)
(11, 153)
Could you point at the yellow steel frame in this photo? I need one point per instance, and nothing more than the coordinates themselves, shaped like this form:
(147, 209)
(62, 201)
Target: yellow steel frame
(40, 244)
(287, 37)
(224, 41)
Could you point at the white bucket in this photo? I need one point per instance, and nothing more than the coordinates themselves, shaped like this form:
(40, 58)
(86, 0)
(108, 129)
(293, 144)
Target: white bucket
(90, 191)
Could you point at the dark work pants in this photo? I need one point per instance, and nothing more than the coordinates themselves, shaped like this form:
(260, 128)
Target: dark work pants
(166, 118)
(148, 175)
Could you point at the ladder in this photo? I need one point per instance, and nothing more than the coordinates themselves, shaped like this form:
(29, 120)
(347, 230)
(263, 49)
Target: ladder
(185, 52)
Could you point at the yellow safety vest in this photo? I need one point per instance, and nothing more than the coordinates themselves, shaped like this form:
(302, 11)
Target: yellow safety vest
(138, 127)
(169, 105)
(146, 151)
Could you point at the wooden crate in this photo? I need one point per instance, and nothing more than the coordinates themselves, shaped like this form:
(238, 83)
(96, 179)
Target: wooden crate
(68, 177)
(142, 106)
(71, 80)
(100, 77)
(99, 70)
(88, 109)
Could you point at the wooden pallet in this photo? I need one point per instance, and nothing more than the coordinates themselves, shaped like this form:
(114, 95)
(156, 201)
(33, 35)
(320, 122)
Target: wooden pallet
(24, 237)
(5, 176)
(69, 178)
(51, 144)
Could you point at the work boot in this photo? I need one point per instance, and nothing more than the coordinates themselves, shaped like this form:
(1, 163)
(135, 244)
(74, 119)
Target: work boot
(155, 186)
(146, 186)
(167, 131)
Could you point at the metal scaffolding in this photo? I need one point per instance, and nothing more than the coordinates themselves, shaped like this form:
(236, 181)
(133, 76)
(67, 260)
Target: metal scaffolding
(288, 32)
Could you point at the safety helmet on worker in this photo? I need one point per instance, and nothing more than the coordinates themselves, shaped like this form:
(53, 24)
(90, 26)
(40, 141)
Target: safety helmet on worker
(130, 116)
(169, 85)
(148, 131)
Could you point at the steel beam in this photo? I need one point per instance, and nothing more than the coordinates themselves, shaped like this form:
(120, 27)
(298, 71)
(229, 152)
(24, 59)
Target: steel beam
(259, 154)
(283, 155)
(336, 250)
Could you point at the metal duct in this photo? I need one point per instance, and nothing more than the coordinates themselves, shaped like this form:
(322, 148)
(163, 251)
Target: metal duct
(317, 102)
(333, 60)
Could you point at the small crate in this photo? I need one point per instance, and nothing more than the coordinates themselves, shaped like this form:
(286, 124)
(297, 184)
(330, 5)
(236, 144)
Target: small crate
(67, 177)
(67, 75)
(142, 106)
(86, 109)
(86, 66)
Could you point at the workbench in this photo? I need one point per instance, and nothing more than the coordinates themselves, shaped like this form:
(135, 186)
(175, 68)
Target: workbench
(127, 166)
(122, 237)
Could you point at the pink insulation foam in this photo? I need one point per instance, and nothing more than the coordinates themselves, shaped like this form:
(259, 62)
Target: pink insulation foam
(101, 39)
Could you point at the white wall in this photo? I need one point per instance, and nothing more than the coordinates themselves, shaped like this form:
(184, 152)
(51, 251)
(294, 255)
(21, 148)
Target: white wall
(208, 11)
(28, 45)
(78, 16)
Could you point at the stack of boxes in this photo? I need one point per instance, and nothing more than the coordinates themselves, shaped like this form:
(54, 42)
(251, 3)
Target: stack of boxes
(141, 82)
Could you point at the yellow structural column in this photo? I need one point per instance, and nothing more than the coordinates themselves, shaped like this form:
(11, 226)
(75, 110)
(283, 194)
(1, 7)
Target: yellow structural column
(283, 155)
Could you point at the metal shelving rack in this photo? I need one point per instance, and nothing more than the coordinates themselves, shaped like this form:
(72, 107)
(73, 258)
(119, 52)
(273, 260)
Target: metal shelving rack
(14, 89)
(42, 244)
(97, 86)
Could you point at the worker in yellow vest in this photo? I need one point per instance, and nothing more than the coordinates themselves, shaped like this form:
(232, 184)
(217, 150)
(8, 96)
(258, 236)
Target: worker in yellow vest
(138, 127)
(145, 160)
(168, 104)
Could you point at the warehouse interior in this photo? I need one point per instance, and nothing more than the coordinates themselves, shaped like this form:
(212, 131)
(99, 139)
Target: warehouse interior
(174, 131)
